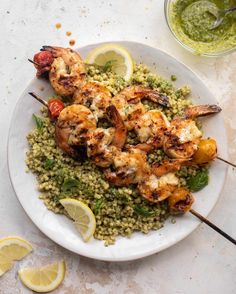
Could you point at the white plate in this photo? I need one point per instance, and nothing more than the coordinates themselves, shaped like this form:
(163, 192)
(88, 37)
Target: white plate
(59, 228)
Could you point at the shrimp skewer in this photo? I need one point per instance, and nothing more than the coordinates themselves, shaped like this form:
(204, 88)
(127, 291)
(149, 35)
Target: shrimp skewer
(104, 144)
(150, 130)
(128, 168)
(65, 67)
(72, 127)
(156, 189)
(128, 103)
(94, 96)
(182, 138)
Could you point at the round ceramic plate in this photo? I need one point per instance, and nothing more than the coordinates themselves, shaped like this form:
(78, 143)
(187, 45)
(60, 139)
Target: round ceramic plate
(58, 227)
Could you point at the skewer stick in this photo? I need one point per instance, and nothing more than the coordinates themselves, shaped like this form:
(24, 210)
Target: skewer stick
(38, 98)
(35, 63)
(226, 161)
(214, 227)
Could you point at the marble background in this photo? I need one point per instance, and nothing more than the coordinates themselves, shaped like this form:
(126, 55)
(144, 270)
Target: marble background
(202, 263)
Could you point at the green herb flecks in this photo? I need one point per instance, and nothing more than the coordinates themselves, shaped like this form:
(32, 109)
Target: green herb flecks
(142, 211)
(98, 205)
(108, 65)
(48, 164)
(70, 185)
(39, 122)
(173, 78)
(198, 181)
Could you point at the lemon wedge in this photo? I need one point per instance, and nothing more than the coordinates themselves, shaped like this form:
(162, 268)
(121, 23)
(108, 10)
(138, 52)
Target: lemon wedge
(11, 249)
(44, 279)
(83, 216)
(114, 56)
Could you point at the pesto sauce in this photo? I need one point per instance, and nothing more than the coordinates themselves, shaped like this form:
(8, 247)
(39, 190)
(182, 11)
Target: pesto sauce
(191, 21)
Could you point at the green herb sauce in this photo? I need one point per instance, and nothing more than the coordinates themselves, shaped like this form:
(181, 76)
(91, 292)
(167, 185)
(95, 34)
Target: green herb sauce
(192, 21)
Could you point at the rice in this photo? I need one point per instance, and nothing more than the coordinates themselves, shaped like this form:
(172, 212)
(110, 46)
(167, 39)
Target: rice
(118, 211)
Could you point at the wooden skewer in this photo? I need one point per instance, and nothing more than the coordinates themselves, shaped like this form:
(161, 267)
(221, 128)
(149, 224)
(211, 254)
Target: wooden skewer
(226, 161)
(214, 227)
(38, 98)
(35, 63)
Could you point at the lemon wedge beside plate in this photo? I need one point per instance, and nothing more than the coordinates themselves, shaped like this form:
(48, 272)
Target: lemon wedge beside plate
(44, 279)
(11, 249)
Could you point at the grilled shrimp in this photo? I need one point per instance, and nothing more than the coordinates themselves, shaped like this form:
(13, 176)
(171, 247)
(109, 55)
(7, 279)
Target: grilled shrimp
(171, 165)
(127, 168)
(183, 136)
(181, 139)
(67, 71)
(150, 130)
(128, 103)
(156, 189)
(104, 144)
(95, 96)
(180, 201)
(72, 127)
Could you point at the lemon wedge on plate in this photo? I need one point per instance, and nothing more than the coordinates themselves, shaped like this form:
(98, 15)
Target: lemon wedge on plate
(83, 216)
(11, 249)
(113, 56)
(43, 279)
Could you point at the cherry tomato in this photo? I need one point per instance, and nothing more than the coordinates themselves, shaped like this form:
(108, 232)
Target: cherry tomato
(55, 106)
(43, 58)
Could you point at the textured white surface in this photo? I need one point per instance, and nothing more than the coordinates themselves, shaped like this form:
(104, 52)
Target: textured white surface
(202, 263)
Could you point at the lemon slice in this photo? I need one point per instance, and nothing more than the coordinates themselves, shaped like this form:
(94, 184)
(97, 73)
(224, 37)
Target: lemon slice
(43, 279)
(119, 58)
(11, 249)
(83, 216)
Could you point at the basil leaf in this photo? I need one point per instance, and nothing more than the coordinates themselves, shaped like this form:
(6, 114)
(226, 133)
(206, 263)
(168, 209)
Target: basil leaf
(108, 65)
(142, 211)
(38, 121)
(199, 181)
(98, 205)
(70, 185)
(48, 164)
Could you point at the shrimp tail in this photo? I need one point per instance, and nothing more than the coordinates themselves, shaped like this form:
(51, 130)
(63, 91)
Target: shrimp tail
(201, 110)
(120, 128)
(159, 98)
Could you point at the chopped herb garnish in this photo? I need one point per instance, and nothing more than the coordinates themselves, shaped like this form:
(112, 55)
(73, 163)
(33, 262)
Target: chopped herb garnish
(98, 205)
(173, 78)
(142, 211)
(38, 121)
(108, 65)
(70, 185)
(198, 181)
(49, 163)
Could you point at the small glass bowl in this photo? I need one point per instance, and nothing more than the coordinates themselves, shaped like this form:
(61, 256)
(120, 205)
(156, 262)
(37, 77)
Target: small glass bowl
(167, 8)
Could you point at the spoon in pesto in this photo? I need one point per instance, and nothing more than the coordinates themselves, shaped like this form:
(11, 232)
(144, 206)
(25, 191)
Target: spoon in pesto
(220, 16)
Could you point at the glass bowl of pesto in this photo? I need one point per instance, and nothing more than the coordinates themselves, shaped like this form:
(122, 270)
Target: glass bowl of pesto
(191, 22)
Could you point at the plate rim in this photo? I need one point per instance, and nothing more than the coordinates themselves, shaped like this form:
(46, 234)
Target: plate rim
(112, 258)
